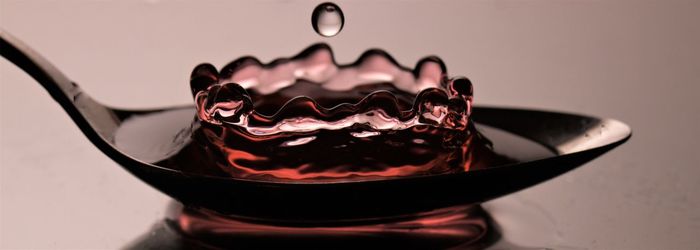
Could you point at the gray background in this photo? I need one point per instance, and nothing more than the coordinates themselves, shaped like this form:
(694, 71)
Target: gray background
(637, 61)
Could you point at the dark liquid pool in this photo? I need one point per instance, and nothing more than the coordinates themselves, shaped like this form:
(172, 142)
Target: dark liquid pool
(172, 146)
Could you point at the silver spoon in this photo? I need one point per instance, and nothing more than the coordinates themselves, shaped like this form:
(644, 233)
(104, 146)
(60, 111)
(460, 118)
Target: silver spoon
(576, 139)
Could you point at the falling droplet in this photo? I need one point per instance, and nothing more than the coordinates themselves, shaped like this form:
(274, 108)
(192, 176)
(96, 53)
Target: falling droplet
(327, 19)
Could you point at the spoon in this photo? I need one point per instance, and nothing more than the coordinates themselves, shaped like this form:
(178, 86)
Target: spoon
(575, 139)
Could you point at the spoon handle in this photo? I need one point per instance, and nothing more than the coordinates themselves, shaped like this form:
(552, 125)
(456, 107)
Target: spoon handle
(92, 117)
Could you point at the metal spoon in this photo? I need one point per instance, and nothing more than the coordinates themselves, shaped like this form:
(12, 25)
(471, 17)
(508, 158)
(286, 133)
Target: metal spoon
(576, 139)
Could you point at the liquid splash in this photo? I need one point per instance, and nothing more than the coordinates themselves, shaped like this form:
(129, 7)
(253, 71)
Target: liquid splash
(310, 118)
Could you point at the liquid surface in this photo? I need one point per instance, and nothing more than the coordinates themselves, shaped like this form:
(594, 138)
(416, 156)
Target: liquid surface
(173, 147)
(327, 19)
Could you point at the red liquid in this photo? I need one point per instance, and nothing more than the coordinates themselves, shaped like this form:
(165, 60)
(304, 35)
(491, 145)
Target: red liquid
(463, 226)
(308, 119)
(181, 146)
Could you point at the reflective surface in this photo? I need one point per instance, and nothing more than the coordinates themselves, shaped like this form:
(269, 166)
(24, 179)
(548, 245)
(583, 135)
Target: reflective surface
(646, 45)
(463, 226)
(577, 139)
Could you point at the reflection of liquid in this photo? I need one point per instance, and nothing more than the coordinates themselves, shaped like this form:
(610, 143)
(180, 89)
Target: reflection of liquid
(466, 227)
(508, 223)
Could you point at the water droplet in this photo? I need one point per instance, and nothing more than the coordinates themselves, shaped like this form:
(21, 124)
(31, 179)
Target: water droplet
(327, 19)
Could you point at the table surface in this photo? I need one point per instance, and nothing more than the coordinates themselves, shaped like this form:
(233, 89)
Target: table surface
(636, 61)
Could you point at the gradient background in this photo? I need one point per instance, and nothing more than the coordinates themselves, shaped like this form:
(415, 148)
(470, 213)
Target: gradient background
(636, 61)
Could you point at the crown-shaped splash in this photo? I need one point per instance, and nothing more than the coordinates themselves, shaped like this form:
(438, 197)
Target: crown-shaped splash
(310, 118)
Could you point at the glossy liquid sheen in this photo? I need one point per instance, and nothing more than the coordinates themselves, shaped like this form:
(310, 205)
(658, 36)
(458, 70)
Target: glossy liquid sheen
(308, 119)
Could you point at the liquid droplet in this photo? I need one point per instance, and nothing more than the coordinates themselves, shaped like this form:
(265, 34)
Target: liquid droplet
(327, 19)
